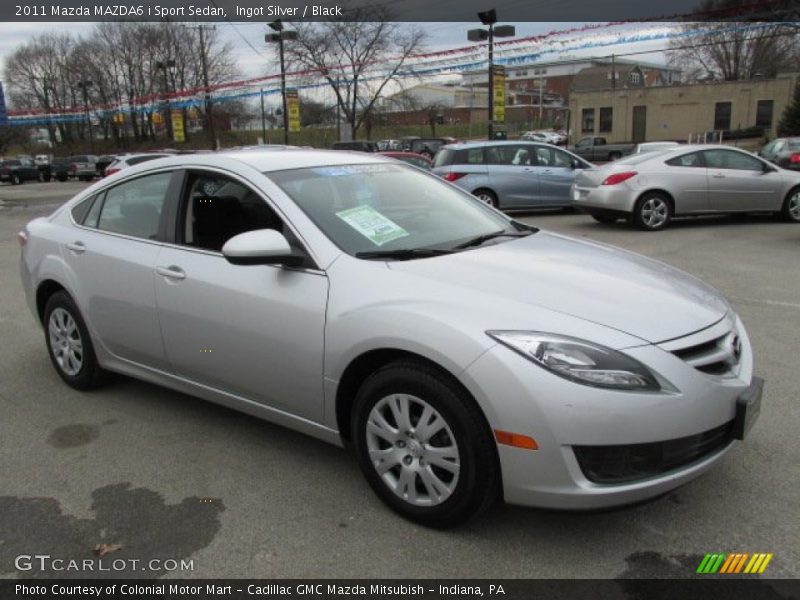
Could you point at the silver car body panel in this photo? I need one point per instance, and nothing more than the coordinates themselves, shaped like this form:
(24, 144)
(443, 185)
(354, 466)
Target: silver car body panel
(281, 338)
(695, 190)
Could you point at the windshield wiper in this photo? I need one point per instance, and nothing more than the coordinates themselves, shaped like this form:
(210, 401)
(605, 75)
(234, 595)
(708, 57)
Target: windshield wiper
(477, 241)
(403, 253)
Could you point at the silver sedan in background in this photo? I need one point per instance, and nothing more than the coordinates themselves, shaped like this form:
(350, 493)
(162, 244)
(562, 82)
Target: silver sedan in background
(463, 355)
(650, 189)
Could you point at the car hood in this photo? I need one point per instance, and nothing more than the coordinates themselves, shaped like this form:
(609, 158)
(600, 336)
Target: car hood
(606, 285)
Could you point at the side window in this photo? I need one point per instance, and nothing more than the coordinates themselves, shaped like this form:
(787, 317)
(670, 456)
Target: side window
(729, 159)
(134, 207)
(81, 208)
(695, 159)
(94, 214)
(509, 155)
(474, 156)
(216, 208)
(550, 157)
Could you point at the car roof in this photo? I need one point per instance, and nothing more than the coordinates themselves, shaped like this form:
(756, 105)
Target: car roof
(266, 160)
(479, 143)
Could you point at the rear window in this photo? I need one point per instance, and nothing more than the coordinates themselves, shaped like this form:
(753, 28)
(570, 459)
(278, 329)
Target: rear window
(794, 145)
(11, 163)
(464, 156)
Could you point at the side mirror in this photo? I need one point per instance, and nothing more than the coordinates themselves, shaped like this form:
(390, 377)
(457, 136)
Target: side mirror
(767, 168)
(260, 247)
(576, 164)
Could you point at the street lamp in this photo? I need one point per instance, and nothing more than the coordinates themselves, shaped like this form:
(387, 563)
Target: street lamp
(165, 66)
(279, 36)
(489, 18)
(85, 85)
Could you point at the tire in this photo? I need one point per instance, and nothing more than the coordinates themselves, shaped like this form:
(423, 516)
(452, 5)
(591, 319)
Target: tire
(791, 206)
(438, 496)
(63, 177)
(16, 179)
(653, 211)
(75, 363)
(605, 219)
(487, 197)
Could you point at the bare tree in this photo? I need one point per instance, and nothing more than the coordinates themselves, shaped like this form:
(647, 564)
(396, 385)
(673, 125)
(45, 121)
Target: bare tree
(357, 58)
(734, 51)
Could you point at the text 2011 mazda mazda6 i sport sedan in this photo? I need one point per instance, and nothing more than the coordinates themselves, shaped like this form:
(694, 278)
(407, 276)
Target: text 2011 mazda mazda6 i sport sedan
(462, 354)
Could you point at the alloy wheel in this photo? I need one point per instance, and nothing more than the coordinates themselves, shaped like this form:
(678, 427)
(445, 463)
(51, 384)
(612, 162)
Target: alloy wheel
(794, 206)
(65, 341)
(485, 198)
(655, 212)
(413, 450)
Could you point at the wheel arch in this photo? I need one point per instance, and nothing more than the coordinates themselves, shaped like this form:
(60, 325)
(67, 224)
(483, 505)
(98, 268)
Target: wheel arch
(44, 291)
(366, 363)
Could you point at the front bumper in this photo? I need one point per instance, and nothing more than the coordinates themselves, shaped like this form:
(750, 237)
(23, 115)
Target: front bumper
(521, 397)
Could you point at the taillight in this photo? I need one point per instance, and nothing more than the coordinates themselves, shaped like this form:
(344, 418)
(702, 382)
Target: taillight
(111, 171)
(616, 178)
(795, 158)
(22, 238)
(73, 167)
(453, 176)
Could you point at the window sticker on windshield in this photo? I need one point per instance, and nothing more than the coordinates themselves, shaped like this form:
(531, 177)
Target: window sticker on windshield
(371, 224)
(342, 170)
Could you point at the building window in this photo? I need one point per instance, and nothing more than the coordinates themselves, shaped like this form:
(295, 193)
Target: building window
(722, 116)
(635, 77)
(764, 114)
(606, 119)
(587, 121)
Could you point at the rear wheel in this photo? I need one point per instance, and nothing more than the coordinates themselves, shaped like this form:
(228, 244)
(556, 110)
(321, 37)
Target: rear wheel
(15, 179)
(486, 196)
(791, 206)
(63, 177)
(69, 345)
(424, 446)
(653, 211)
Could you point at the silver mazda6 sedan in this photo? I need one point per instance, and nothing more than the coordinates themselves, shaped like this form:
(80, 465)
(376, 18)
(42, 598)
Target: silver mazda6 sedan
(463, 355)
(650, 189)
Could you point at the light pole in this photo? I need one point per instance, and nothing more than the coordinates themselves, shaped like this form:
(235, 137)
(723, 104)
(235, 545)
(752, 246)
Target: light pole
(164, 66)
(279, 36)
(489, 18)
(85, 85)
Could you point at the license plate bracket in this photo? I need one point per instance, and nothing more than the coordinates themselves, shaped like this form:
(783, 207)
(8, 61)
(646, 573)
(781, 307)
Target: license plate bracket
(748, 407)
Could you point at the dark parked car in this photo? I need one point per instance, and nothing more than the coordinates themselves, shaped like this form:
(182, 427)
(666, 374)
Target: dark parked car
(357, 145)
(83, 167)
(417, 160)
(19, 170)
(428, 146)
(784, 152)
(103, 162)
(597, 148)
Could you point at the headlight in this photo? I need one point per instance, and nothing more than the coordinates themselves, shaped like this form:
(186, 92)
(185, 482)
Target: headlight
(583, 362)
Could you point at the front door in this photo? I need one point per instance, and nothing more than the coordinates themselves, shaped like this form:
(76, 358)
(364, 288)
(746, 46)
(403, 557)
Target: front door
(512, 176)
(253, 331)
(639, 123)
(738, 182)
(556, 174)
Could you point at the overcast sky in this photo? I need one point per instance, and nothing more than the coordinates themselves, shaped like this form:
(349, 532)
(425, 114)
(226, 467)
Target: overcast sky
(440, 36)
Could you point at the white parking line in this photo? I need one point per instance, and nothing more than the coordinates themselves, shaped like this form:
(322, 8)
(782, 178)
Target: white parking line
(766, 302)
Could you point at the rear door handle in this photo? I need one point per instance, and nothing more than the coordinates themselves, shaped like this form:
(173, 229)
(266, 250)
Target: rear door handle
(171, 272)
(77, 247)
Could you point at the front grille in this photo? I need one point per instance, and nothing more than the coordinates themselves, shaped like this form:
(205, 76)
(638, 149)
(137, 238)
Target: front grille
(714, 351)
(620, 464)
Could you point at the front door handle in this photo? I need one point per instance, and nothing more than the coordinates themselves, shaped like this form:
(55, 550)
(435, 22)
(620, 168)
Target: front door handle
(171, 272)
(77, 247)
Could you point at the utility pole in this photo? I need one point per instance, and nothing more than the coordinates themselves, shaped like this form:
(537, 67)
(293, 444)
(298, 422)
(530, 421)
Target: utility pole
(85, 85)
(204, 63)
(541, 94)
(613, 72)
(279, 36)
(263, 120)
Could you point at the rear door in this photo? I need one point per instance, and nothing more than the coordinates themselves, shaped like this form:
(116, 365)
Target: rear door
(253, 331)
(512, 174)
(738, 182)
(112, 252)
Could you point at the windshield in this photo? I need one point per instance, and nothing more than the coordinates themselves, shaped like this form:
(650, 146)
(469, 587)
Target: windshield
(369, 207)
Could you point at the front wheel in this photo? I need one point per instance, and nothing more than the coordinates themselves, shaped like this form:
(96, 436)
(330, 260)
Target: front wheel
(652, 212)
(791, 206)
(424, 446)
(69, 345)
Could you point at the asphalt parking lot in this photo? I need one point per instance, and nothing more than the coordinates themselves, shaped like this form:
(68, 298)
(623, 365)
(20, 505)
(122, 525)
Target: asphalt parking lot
(169, 476)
